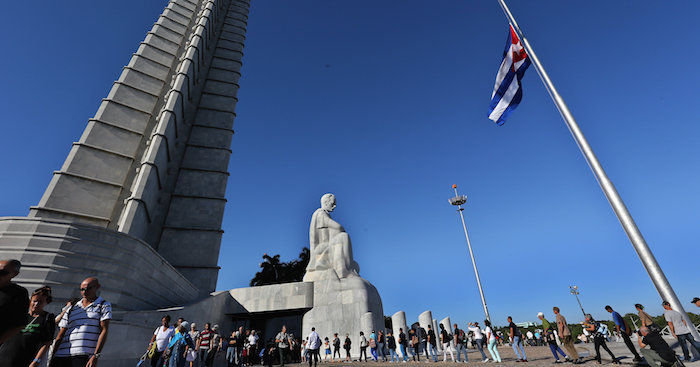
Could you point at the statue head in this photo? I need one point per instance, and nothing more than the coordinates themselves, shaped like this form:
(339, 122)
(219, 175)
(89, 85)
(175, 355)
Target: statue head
(328, 202)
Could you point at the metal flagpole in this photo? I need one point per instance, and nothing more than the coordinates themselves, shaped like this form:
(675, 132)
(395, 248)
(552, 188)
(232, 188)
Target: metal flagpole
(458, 200)
(640, 246)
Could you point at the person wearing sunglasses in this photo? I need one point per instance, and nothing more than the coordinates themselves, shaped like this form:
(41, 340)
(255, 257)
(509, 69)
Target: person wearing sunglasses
(14, 301)
(83, 329)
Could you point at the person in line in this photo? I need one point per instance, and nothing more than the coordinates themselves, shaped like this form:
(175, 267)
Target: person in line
(192, 352)
(14, 301)
(551, 339)
(492, 341)
(423, 337)
(178, 345)
(643, 316)
(696, 301)
(445, 339)
(660, 351)
(599, 331)
(215, 345)
(415, 344)
(565, 335)
(326, 349)
(29, 346)
(432, 343)
(373, 345)
(203, 344)
(363, 346)
(624, 330)
(83, 329)
(479, 339)
(283, 342)
(381, 343)
(679, 330)
(160, 339)
(232, 349)
(252, 349)
(516, 338)
(336, 346)
(403, 343)
(460, 344)
(313, 346)
(391, 345)
(347, 345)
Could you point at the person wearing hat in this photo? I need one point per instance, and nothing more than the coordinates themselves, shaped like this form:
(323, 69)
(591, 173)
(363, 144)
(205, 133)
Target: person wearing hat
(178, 345)
(551, 338)
(696, 301)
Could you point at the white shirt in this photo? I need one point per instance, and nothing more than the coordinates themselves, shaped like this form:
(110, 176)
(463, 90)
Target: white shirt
(314, 341)
(252, 339)
(82, 326)
(678, 325)
(477, 332)
(163, 337)
(489, 331)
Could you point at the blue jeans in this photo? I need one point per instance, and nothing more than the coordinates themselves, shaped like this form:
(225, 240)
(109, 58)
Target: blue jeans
(689, 338)
(374, 353)
(380, 351)
(461, 348)
(555, 348)
(203, 356)
(432, 351)
(393, 355)
(480, 347)
(403, 352)
(517, 343)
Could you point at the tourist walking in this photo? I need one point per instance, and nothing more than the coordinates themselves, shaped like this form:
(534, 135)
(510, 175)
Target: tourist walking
(391, 345)
(598, 330)
(659, 352)
(679, 330)
(27, 348)
(347, 345)
(363, 346)
(415, 344)
(565, 335)
(516, 338)
(234, 347)
(643, 316)
(83, 329)
(491, 340)
(336, 346)
(283, 343)
(445, 339)
(203, 344)
(326, 349)
(373, 345)
(381, 343)
(252, 348)
(403, 343)
(215, 345)
(192, 352)
(432, 344)
(479, 338)
(160, 340)
(624, 330)
(178, 345)
(460, 344)
(423, 337)
(313, 346)
(14, 301)
(551, 338)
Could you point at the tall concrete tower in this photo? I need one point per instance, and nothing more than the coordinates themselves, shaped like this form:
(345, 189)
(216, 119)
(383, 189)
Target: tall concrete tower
(139, 200)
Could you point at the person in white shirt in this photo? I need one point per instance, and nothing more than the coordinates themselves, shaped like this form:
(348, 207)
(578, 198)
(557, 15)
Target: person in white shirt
(478, 339)
(313, 345)
(491, 337)
(679, 330)
(161, 338)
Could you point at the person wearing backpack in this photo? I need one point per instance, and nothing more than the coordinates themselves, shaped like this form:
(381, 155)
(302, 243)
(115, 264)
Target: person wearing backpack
(515, 337)
(432, 343)
(363, 346)
(551, 339)
(446, 340)
(415, 344)
(460, 344)
(373, 345)
(599, 331)
(403, 343)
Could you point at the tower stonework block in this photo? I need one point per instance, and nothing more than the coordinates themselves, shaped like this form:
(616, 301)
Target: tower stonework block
(148, 176)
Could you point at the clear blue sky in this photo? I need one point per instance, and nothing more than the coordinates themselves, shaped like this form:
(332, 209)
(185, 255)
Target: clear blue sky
(384, 104)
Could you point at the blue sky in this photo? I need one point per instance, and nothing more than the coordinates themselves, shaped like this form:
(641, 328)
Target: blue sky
(384, 104)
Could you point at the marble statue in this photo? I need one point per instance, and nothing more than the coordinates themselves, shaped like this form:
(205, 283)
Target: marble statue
(330, 247)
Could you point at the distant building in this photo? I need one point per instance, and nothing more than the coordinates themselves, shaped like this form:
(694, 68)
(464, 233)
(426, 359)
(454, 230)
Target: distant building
(525, 324)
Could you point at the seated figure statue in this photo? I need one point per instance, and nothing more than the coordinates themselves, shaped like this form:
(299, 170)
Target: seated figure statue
(330, 247)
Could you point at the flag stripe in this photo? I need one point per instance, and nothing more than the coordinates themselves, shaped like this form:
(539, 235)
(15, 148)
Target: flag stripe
(507, 90)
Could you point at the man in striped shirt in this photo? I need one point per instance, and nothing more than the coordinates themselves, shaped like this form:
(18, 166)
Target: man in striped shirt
(83, 329)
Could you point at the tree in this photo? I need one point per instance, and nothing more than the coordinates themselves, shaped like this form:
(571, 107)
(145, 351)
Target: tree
(272, 271)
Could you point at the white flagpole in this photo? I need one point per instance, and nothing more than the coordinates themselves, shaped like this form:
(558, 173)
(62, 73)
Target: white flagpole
(640, 246)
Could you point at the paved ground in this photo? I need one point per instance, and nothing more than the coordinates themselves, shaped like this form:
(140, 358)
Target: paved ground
(537, 356)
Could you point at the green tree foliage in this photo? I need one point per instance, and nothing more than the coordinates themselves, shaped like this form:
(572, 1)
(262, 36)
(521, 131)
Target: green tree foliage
(272, 271)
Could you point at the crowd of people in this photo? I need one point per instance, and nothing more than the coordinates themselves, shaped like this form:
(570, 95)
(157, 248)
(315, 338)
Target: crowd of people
(28, 336)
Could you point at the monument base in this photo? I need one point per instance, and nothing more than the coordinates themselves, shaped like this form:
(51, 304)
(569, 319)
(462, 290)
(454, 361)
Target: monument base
(344, 306)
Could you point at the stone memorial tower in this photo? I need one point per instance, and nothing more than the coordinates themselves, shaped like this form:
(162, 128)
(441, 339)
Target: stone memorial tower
(139, 200)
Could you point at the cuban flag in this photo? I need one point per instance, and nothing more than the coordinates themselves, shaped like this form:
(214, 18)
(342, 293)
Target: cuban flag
(508, 92)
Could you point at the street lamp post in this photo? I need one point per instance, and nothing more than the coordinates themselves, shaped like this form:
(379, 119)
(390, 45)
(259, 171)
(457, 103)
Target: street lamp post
(575, 292)
(457, 201)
